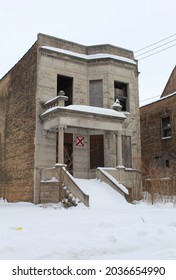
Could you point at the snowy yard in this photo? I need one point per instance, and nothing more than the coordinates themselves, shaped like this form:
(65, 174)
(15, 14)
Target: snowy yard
(110, 229)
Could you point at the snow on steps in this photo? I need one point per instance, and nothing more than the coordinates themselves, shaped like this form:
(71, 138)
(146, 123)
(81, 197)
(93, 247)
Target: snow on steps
(77, 190)
(101, 195)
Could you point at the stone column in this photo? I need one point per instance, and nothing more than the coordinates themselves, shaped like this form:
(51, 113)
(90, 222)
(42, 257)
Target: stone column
(61, 102)
(119, 149)
(61, 129)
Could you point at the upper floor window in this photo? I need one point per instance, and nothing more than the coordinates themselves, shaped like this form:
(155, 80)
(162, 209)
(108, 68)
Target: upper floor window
(66, 84)
(121, 93)
(165, 127)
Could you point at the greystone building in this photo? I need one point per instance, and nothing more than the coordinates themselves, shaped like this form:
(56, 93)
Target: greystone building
(83, 111)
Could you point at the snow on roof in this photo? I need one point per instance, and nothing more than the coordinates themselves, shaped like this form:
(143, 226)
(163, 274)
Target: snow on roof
(161, 98)
(88, 109)
(90, 56)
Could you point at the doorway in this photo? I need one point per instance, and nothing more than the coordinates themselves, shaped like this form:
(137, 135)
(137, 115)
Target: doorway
(96, 151)
(68, 151)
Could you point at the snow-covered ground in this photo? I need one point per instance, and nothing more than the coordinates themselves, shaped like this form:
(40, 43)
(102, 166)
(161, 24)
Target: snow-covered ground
(110, 229)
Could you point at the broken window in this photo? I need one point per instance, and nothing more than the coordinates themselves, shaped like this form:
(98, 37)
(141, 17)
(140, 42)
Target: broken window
(121, 93)
(165, 127)
(66, 84)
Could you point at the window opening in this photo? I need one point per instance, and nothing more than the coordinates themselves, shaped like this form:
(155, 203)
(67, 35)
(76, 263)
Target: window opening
(66, 84)
(167, 163)
(120, 93)
(166, 127)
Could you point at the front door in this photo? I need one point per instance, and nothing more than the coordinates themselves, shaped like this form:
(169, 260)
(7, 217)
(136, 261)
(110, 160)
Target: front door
(96, 151)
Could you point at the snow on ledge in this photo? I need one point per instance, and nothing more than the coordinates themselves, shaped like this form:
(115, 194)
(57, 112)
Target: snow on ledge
(87, 109)
(90, 56)
(53, 179)
(112, 179)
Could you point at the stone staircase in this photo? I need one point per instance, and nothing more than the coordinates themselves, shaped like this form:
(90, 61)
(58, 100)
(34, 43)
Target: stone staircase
(58, 185)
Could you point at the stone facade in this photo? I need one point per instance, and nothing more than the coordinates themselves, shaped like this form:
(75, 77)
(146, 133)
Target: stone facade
(83, 72)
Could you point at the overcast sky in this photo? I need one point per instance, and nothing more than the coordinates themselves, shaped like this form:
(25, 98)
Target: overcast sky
(131, 24)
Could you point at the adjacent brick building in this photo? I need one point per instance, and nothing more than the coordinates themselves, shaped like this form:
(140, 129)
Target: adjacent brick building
(98, 126)
(158, 135)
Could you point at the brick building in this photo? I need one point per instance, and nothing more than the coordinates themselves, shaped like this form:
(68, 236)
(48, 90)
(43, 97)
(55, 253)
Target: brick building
(158, 136)
(68, 103)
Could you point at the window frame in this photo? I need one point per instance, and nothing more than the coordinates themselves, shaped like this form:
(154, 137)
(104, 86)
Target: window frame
(124, 97)
(165, 127)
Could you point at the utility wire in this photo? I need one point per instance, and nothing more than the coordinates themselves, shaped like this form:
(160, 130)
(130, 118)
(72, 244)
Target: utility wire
(157, 52)
(155, 43)
(156, 48)
(156, 96)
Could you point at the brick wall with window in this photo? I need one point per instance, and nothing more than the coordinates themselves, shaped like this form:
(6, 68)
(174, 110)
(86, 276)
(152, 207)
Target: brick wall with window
(158, 136)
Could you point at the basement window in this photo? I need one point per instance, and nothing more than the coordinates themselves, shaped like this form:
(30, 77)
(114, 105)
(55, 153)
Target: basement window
(165, 127)
(121, 93)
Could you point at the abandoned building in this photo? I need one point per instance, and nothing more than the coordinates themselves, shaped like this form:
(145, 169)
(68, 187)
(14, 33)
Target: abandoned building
(158, 140)
(69, 111)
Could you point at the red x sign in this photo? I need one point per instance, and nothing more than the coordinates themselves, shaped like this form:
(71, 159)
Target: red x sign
(80, 141)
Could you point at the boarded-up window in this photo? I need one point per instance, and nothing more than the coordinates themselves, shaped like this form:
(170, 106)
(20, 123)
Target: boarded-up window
(96, 93)
(96, 151)
(126, 151)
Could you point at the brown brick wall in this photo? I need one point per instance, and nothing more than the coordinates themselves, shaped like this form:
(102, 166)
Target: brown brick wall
(151, 143)
(171, 84)
(19, 129)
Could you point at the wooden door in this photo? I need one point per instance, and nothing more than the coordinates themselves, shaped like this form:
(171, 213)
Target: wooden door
(96, 151)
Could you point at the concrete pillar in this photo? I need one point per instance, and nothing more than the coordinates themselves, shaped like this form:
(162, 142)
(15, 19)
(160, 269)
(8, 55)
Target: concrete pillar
(119, 149)
(61, 129)
(62, 98)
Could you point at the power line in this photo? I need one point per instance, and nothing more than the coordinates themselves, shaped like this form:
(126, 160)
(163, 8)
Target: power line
(150, 98)
(156, 47)
(157, 52)
(155, 43)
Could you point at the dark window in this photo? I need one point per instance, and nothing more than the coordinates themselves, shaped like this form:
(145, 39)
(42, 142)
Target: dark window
(96, 151)
(126, 151)
(96, 93)
(121, 93)
(167, 163)
(66, 84)
(165, 127)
